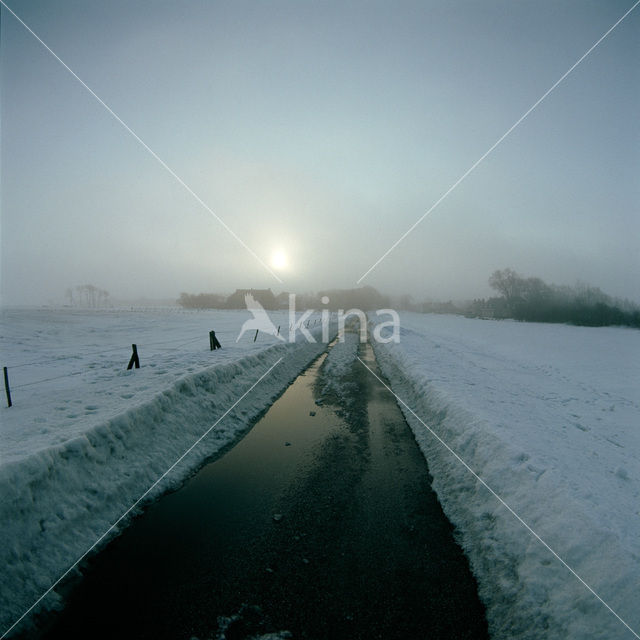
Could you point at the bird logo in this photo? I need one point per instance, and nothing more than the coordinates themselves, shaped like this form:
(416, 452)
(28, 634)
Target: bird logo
(260, 320)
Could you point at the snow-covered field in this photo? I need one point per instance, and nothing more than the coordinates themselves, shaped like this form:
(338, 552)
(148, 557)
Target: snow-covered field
(549, 417)
(68, 368)
(85, 437)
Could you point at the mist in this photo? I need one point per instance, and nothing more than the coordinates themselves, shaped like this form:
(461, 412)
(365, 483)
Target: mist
(300, 142)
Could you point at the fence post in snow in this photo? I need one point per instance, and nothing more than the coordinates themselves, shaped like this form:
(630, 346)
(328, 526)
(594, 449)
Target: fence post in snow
(213, 341)
(7, 390)
(256, 336)
(134, 358)
(278, 330)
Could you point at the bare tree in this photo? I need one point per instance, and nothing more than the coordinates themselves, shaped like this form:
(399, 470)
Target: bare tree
(90, 296)
(508, 283)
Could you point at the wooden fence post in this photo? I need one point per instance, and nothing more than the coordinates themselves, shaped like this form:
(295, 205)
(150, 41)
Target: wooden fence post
(134, 358)
(7, 390)
(213, 341)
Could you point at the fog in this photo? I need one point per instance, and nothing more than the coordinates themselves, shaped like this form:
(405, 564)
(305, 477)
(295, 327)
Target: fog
(318, 134)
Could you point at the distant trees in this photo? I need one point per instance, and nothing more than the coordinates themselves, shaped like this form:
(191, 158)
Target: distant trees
(531, 299)
(405, 302)
(440, 307)
(521, 298)
(203, 301)
(219, 301)
(264, 296)
(365, 298)
(507, 282)
(87, 296)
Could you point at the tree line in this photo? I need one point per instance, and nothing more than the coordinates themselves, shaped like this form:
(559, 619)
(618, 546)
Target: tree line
(365, 298)
(522, 298)
(533, 300)
(87, 296)
(203, 301)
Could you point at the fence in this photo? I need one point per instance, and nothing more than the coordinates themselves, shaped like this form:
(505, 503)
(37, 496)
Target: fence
(138, 351)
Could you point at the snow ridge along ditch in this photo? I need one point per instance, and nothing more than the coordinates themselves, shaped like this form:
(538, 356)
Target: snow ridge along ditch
(527, 591)
(339, 363)
(57, 502)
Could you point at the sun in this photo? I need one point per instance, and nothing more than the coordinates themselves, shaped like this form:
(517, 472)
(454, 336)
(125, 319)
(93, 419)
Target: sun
(279, 260)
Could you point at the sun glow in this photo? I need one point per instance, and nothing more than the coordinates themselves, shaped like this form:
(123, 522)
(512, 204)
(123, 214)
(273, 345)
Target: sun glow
(279, 260)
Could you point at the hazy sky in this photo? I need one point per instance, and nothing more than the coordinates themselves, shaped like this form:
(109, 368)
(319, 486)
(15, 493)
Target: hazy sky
(321, 130)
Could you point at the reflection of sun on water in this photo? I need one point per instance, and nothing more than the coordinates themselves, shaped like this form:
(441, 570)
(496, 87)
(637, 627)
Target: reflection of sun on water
(279, 260)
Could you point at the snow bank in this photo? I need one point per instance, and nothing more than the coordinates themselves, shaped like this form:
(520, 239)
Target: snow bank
(68, 367)
(59, 499)
(337, 366)
(547, 416)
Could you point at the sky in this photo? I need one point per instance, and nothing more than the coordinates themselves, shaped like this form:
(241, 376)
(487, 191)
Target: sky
(318, 133)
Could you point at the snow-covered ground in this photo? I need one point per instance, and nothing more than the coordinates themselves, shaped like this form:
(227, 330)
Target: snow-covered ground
(85, 438)
(333, 383)
(68, 372)
(549, 417)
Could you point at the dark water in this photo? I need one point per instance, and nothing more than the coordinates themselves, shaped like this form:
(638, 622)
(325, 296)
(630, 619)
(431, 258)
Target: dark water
(361, 550)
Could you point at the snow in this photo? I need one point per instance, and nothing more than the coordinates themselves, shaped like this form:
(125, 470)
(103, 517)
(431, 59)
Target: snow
(549, 417)
(82, 357)
(241, 623)
(86, 438)
(337, 366)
